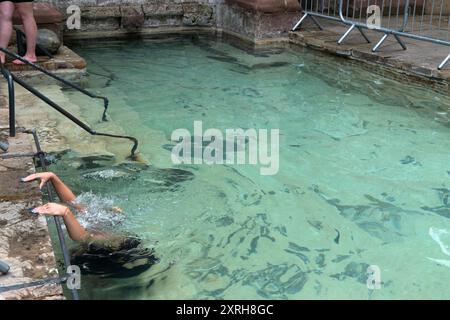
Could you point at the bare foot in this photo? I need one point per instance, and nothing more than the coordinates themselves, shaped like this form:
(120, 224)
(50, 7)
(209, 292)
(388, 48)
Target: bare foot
(26, 57)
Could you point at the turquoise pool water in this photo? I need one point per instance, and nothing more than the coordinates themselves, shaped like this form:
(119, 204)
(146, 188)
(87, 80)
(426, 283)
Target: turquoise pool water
(363, 178)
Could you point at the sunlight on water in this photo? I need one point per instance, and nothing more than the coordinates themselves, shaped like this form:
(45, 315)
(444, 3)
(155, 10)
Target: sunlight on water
(363, 180)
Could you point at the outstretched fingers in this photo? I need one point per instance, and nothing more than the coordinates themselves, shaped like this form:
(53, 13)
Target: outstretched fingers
(52, 209)
(31, 177)
(44, 176)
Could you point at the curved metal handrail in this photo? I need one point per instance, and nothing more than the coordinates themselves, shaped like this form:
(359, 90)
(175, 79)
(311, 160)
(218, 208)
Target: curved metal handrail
(71, 116)
(66, 82)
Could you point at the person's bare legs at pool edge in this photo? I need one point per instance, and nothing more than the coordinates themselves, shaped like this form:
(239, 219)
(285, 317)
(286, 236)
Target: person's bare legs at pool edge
(6, 13)
(25, 10)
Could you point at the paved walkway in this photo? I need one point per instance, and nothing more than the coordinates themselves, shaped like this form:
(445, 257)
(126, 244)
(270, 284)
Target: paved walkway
(25, 243)
(420, 60)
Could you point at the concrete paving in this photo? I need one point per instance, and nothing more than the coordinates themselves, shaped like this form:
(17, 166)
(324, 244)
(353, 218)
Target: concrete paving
(25, 243)
(420, 60)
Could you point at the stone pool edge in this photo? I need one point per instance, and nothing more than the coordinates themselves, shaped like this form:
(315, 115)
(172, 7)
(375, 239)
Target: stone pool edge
(25, 242)
(391, 63)
(13, 209)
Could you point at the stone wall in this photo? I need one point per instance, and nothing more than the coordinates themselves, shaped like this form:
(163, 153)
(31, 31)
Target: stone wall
(257, 20)
(133, 15)
(250, 19)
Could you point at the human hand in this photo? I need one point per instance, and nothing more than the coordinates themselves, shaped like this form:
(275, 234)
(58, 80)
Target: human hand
(52, 209)
(43, 176)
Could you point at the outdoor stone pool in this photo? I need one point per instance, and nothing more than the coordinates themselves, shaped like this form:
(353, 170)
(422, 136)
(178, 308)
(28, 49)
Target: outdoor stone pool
(363, 176)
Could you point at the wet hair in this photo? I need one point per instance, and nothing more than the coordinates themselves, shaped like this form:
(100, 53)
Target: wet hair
(118, 256)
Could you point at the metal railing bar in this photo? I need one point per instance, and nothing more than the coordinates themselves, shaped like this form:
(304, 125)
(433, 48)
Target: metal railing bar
(440, 15)
(423, 15)
(72, 117)
(66, 82)
(414, 16)
(11, 101)
(20, 36)
(56, 219)
(37, 283)
(399, 31)
(431, 16)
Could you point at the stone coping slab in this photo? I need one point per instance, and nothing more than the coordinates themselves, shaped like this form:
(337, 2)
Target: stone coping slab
(25, 243)
(419, 61)
(64, 59)
(267, 6)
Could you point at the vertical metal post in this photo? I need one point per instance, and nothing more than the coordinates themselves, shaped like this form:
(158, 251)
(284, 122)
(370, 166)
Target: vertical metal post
(57, 221)
(11, 100)
(19, 41)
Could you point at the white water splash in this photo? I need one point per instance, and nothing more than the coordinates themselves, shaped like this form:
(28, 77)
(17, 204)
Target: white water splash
(107, 174)
(99, 212)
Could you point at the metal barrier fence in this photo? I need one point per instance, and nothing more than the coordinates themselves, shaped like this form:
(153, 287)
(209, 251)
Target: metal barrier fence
(424, 20)
(318, 8)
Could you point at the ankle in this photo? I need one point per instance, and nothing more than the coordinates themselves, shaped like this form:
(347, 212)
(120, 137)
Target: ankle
(30, 56)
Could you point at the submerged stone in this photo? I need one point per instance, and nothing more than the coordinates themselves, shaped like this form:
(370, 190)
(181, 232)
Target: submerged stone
(167, 179)
(357, 271)
(269, 284)
(94, 161)
(223, 58)
(275, 64)
(224, 221)
(108, 174)
(133, 166)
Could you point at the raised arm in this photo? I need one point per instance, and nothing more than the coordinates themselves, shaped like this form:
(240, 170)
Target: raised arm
(64, 193)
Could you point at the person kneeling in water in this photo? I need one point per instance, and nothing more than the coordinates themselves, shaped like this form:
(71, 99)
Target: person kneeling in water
(99, 251)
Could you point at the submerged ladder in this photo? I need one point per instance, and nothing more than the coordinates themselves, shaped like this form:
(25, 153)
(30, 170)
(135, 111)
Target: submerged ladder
(11, 78)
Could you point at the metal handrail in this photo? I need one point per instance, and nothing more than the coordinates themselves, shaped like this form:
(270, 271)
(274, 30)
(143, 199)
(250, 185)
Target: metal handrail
(11, 78)
(71, 117)
(62, 242)
(66, 82)
(56, 219)
(395, 33)
(12, 108)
